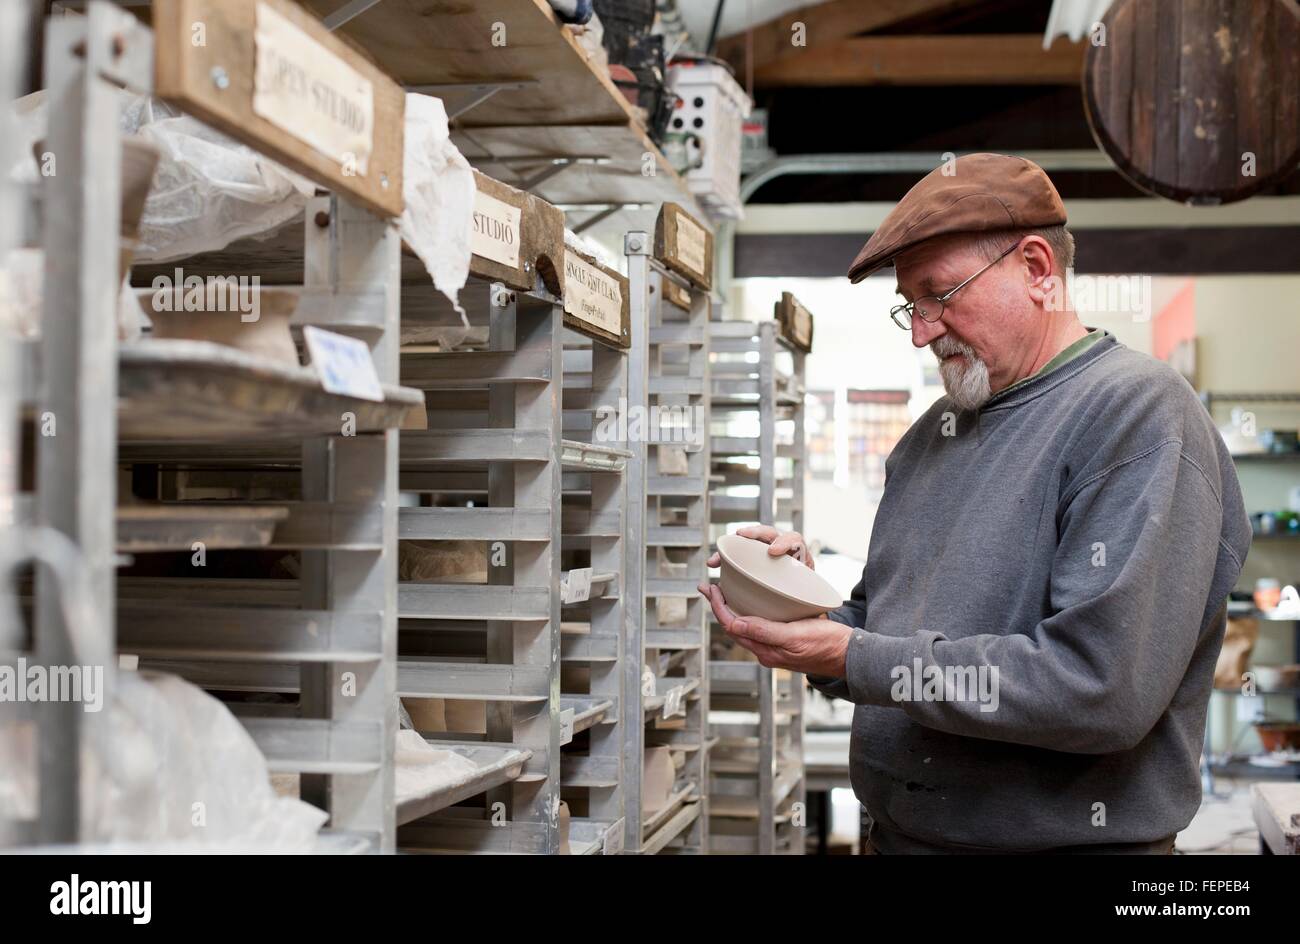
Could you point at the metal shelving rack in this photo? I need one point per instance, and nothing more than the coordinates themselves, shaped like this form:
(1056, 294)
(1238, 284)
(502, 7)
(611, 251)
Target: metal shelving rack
(497, 642)
(512, 458)
(669, 375)
(756, 787)
(331, 633)
(594, 632)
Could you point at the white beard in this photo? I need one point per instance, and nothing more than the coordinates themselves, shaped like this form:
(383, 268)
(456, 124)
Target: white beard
(966, 381)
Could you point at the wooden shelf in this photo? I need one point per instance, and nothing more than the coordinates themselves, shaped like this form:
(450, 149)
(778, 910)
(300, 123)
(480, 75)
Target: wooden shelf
(551, 101)
(200, 391)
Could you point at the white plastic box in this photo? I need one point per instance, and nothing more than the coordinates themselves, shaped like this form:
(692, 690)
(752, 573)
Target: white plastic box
(713, 107)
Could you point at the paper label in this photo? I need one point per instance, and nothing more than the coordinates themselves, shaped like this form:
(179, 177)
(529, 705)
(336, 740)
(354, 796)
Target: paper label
(343, 364)
(648, 683)
(592, 296)
(674, 702)
(577, 588)
(690, 244)
(306, 90)
(496, 230)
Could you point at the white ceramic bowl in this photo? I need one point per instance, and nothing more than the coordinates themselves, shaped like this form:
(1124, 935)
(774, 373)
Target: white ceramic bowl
(775, 588)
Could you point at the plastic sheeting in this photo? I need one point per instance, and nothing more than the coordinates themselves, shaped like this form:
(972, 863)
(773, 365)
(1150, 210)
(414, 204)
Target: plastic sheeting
(165, 762)
(209, 190)
(438, 187)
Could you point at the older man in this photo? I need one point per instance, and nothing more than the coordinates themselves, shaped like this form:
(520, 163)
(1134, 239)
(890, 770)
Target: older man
(1032, 642)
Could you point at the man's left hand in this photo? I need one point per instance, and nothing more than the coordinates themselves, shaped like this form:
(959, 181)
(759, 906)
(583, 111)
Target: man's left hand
(812, 646)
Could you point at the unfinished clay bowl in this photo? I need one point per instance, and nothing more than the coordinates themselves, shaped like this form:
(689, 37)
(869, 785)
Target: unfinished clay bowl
(268, 336)
(775, 588)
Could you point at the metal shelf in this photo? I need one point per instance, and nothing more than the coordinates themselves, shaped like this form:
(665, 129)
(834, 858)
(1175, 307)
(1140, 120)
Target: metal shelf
(496, 766)
(669, 533)
(758, 767)
(335, 627)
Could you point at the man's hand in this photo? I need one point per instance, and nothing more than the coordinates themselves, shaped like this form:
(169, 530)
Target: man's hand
(812, 646)
(780, 542)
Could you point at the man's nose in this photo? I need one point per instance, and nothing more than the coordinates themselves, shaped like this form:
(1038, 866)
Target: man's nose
(924, 332)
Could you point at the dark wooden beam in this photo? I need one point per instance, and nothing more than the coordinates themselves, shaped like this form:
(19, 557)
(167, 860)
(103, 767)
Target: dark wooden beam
(1002, 59)
(823, 23)
(1198, 250)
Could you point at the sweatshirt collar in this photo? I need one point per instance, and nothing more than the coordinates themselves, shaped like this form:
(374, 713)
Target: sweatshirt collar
(1056, 373)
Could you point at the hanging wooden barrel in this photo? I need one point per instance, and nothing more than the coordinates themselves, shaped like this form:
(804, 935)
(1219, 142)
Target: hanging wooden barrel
(1197, 100)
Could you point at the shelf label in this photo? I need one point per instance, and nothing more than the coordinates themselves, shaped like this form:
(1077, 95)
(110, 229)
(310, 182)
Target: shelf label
(343, 364)
(690, 243)
(675, 702)
(577, 588)
(591, 295)
(307, 91)
(648, 683)
(495, 235)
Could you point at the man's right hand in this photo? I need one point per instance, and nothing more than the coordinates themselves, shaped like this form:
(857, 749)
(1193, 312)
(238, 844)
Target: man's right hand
(779, 543)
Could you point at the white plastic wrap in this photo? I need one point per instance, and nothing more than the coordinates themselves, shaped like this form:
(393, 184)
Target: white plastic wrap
(166, 762)
(438, 189)
(209, 190)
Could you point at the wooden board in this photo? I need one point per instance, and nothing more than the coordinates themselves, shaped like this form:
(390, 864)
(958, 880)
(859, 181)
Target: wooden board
(540, 240)
(796, 322)
(1183, 91)
(441, 42)
(678, 239)
(676, 295)
(983, 59)
(579, 266)
(634, 170)
(215, 82)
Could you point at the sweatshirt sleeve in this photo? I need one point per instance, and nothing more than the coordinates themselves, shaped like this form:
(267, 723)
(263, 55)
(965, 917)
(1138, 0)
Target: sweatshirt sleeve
(1137, 550)
(852, 613)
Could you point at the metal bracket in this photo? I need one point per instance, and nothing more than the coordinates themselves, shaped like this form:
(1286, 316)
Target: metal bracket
(348, 11)
(480, 91)
(636, 244)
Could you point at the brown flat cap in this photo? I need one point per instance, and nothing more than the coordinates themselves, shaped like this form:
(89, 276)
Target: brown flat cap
(980, 192)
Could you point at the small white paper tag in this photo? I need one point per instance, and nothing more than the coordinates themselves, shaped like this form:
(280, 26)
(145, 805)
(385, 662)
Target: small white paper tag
(302, 88)
(674, 702)
(591, 295)
(495, 234)
(648, 683)
(690, 244)
(343, 364)
(577, 588)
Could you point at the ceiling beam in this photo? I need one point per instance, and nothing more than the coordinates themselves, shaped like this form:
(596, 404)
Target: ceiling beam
(1014, 59)
(825, 22)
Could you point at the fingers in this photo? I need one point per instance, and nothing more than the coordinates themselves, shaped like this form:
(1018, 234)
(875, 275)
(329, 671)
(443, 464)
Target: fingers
(760, 532)
(715, 560)
(713, 593)
(758, 630)
(767, 656)
(792, 543)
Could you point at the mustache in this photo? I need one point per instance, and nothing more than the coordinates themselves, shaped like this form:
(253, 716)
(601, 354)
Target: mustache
(947, 345)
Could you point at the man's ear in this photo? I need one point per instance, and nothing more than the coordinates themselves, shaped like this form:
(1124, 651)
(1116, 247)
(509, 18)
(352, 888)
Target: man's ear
(1040, 263)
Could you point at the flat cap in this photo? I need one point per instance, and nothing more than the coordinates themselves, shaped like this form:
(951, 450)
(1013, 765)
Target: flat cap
(972, 194)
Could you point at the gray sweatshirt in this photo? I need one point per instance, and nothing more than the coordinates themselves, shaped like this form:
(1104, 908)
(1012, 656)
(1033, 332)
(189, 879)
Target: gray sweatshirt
(1040, 614)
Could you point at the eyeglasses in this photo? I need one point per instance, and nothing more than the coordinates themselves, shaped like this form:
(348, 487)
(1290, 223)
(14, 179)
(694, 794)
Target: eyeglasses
(930, 307)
